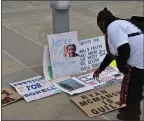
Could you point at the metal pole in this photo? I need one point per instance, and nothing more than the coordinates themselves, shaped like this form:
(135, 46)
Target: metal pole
(60, 16)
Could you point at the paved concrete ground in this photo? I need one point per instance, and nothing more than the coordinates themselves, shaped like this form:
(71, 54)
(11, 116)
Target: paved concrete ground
(25, 26)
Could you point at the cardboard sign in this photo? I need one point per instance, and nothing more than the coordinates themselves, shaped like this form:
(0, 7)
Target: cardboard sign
(35, 88)
(64, 54)
(72, 86)
(92, 53)
(99, 102)
(8, 96)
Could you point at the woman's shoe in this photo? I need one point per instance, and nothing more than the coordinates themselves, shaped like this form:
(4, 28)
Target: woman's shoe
(123, 109)
(126, 117)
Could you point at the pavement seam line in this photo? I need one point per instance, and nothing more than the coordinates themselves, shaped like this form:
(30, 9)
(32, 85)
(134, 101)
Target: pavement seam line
(22, 10)
(12, 72)
(19, 62)
(34, 15)
(22, 69)
(22, 35)
(36, 66)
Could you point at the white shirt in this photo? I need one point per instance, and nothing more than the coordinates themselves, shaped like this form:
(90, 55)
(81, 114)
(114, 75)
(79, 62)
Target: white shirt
(118, 35)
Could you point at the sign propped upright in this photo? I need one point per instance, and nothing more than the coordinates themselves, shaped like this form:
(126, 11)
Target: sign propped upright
(64, 54)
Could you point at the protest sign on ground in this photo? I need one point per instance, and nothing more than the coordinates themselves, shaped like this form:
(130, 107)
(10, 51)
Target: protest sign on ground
(114, 72)
(8, 96)
(92, 51)
(100, 101)
(88, 79)
(64, 54)
(72, 86)
(108, 76)
(35, 88)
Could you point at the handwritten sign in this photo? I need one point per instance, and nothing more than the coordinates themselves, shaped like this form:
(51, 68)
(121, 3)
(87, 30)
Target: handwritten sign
(107, 77)
(92, 52)
(100, 101)
(72, 86)
(9, 96)
(64, 54)
(35, 88)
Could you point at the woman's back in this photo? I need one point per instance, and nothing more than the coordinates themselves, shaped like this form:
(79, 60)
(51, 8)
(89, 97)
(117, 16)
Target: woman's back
(118, 34)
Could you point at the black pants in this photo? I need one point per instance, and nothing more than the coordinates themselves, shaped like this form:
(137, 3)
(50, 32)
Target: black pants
(136, 85)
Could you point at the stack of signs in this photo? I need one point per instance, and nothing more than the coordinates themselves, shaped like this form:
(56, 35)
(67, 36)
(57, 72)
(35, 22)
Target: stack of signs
(72, 86)
(92, 52)
(108, 76)
(64, 54)
(35, 88)
(8, 95)
(100, 101)
(115, 73)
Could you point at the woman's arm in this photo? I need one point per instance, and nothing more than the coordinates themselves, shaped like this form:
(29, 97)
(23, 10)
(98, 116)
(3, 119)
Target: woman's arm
(123, 55)
(107, 60)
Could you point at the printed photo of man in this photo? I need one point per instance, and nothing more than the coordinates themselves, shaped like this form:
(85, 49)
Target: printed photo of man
(71, 50)
(70, 85)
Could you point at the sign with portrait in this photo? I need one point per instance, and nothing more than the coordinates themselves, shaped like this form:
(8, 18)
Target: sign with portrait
(64, 54)
(91, 52)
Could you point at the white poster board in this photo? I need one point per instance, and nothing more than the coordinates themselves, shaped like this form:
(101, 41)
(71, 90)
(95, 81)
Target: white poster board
(72, 86)
(108, 76)
(92, 51)
(64, 54)
(35, 88)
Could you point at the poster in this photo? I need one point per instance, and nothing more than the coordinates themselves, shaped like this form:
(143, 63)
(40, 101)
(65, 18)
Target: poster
(35, 88)
(100, 101)
(88, 79)
(108, 76)
(8, 96)
(47, 68)
(114, 72)
(72, 86)
(64, 54)
(92, 53)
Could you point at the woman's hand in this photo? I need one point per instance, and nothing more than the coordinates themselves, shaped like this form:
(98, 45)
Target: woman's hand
(96, 74)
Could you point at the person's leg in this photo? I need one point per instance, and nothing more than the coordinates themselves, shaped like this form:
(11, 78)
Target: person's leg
(134, 96)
